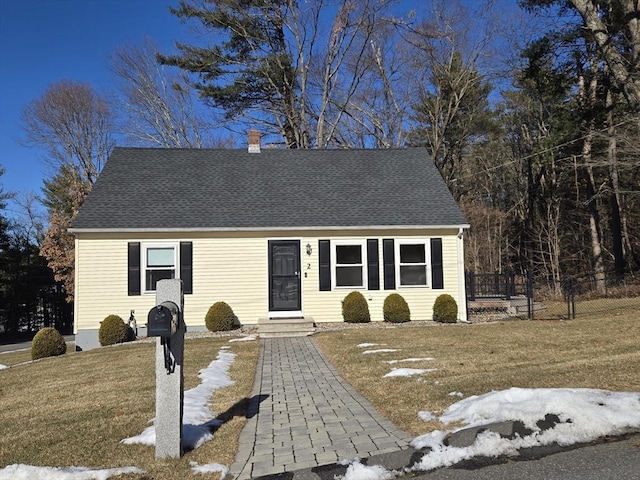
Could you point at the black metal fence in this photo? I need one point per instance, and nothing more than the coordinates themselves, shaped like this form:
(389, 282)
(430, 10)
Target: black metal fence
(615, 293)
(494, 285)
(500, 295)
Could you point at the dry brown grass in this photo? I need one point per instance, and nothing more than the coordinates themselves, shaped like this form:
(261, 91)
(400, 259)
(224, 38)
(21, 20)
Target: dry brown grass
(75, 409)
(600, 352)
(590, 308)
(19, 356)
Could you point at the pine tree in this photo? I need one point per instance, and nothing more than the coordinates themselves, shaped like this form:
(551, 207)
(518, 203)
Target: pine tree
(252, 68)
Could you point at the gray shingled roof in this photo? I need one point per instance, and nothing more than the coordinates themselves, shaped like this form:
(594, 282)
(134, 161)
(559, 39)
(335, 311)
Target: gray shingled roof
(173, 189)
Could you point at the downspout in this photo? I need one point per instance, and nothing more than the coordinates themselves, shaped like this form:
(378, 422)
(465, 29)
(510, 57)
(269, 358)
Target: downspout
(462, 294)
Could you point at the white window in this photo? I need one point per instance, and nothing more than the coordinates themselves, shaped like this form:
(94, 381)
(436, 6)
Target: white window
(159, 263)
(348, 261)
(411, 265)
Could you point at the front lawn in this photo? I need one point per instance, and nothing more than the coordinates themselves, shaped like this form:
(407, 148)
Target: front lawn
(596, 352)
(73, 410)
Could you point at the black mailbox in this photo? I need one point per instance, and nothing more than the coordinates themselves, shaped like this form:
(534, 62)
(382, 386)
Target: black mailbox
(163, 320)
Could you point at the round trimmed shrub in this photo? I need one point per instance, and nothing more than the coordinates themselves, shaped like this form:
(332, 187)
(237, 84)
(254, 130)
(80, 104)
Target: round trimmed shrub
(395, 309)
(445, 309)
(48, 342)
(220, 317)
(355, 308)
(112, 330)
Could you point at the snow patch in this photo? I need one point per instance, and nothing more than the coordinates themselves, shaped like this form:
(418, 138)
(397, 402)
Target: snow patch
(29, 472)
(243, 339)
(585, 415)
(198, 419)
(358, 471)
(367, 345)
(427, 416)
(2, 367)
(209, 468)
(456, 394)
(380, 350)
(425, 359)
(408, 372)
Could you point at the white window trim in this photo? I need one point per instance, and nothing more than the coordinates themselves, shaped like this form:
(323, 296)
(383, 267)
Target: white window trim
(427, 258)
(363, 248)
(143, 264)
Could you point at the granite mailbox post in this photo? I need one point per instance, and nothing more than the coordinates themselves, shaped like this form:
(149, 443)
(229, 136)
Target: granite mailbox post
(166, 323)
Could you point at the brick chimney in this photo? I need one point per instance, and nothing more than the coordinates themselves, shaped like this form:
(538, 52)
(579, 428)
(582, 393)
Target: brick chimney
(254, 141)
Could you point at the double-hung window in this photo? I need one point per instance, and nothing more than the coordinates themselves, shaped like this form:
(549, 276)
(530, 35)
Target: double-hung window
(349, 260)
(160, 263)
(412, 268)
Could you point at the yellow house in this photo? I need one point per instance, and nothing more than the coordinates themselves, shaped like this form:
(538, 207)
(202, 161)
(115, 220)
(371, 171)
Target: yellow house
(273, 233)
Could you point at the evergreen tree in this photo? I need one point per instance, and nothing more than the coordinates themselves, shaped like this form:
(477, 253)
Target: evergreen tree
(453, 113)
(252, 68)
(303, 70)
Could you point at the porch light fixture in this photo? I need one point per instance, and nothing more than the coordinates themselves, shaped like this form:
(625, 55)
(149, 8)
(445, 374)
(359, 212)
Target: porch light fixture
(309, 249)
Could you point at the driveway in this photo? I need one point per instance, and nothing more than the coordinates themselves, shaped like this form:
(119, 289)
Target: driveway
(12, 347)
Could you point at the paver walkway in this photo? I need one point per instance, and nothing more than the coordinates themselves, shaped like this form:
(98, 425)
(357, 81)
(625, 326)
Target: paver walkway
(303, 415)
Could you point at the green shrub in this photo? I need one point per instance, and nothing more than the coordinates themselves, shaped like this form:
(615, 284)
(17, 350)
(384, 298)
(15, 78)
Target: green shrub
(355, 308)
(112, 330)
(48, 342)
(220, 317)
(445, 309)
(395, 309)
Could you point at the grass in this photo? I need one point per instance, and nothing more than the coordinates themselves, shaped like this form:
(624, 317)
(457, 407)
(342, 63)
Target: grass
(589, 308)
(75, 409)
(595, 352)
(16, 357)
(19, 356)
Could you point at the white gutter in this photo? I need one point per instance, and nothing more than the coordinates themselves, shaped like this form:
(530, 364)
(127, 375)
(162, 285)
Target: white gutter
(262, 229)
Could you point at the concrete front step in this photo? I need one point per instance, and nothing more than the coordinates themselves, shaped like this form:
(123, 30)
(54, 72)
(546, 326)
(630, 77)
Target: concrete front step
(285, 327)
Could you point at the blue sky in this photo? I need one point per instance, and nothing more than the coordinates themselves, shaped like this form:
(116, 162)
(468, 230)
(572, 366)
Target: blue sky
(44, 41)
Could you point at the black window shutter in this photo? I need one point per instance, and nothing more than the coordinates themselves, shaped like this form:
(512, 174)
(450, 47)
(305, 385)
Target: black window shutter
(373, 265)
(133, 267)
(324, 259)
(389, 264)
(186, 269)
(437, 275)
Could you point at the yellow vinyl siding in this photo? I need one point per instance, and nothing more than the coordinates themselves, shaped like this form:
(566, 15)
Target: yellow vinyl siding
(233, 267)
(233, 270)
(101, 283)
(327, 306)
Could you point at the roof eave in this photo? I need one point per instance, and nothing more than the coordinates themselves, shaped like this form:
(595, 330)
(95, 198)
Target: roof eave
(270, 229)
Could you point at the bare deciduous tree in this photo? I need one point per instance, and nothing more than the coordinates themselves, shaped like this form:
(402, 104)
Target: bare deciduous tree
(158, 105)
(72, 125)
(615, 27)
